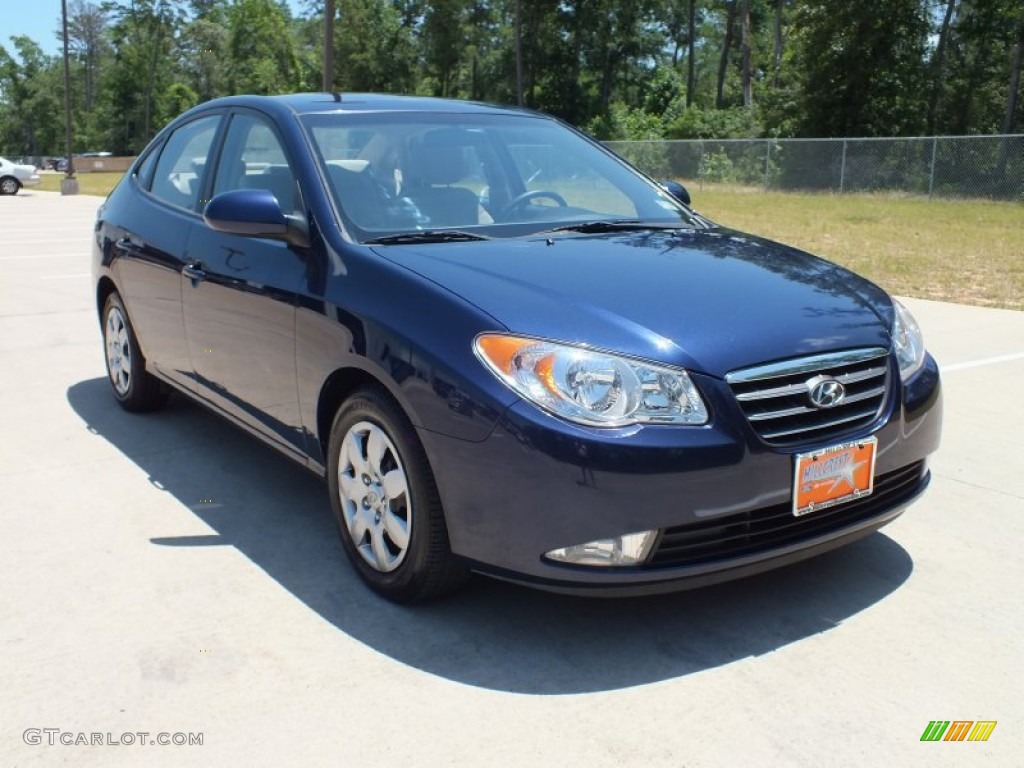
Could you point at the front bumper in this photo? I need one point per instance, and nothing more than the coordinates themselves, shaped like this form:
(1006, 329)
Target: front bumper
(538, 483)
(28, 181)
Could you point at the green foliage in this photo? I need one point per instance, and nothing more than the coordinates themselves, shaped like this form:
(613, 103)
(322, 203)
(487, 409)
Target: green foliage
(618, 68)
(730, 123)
(974, 88)
(718, 166)
(373, 48)
(862, 67)
(624, 123)
(261, 49)
(178, 98)
(30, 117)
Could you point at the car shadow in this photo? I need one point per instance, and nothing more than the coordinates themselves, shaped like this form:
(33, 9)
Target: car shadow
(493, 635)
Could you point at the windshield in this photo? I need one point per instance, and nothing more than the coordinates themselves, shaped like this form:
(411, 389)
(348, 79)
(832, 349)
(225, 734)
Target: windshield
(486, 175)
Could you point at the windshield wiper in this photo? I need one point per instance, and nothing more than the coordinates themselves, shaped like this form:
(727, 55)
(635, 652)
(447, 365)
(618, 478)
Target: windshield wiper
(611, 225)
(426, 236)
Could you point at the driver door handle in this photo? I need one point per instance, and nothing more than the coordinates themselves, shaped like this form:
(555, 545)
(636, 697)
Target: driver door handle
(193, 270)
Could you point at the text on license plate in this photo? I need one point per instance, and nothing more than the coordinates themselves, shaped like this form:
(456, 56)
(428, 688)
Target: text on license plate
(834, 475)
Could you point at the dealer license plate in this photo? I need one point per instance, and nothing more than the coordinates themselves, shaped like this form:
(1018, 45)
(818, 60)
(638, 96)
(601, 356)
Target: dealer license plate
(834, 476)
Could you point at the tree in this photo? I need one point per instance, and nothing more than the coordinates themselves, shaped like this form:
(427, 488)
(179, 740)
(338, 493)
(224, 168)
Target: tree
(862, 67)
(373, 47)
(143, 37)
(723, 61)
(443, 35)
(777, 42)
(937, 61)
(31, 115)
(87, 41)
(261, 49)
(330, 15)
(202, 63)
(1014, 88)
(748, 91)
(691, 36)
(781, 67)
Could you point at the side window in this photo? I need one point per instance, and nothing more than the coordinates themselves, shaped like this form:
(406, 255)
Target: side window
(253, 158)
(179, 171)
(144, 174)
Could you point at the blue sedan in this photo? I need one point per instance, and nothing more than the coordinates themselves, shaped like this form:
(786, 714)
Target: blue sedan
(505, 349)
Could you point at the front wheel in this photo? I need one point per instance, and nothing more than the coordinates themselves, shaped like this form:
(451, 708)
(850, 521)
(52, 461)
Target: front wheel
(386, 503)
(9, 185)
(134, 388)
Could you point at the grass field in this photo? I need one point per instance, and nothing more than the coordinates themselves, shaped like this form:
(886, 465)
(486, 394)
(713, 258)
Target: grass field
(88, 183)
(970, 252)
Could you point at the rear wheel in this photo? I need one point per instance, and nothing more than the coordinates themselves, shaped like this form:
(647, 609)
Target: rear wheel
(134, 388)
(386, 503)
(9, 185)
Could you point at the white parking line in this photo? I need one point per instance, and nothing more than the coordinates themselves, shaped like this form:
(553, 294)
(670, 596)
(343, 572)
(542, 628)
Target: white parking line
(983, 361)
(21, 233)
(44, 256)
(36, 241)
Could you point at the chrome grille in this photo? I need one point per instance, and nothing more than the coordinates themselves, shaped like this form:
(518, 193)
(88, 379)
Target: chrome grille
(776, 397)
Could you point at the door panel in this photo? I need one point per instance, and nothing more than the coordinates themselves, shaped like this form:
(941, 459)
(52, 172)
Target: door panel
(239, 295)
(151, 246)
(240, 325)
(148, 268)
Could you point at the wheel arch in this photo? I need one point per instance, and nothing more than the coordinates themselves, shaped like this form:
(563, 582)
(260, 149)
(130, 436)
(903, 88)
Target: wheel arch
(104, 288)
(339, 386)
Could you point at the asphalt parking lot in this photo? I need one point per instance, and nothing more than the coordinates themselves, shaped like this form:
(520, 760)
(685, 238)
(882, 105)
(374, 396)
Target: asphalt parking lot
(168, 574)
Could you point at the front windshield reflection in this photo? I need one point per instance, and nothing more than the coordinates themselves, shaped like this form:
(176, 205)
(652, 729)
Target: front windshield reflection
(494, 175)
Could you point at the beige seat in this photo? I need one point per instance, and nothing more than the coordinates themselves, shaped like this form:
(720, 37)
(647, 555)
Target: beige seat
(435, 164)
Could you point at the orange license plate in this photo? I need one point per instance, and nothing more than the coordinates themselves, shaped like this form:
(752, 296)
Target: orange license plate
(834, 475)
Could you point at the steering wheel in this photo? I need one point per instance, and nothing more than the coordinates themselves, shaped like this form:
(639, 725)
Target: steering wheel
(526, 197)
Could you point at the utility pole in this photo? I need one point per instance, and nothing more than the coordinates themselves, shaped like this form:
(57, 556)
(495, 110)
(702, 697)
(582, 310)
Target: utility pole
(328, 80)
(69, 184)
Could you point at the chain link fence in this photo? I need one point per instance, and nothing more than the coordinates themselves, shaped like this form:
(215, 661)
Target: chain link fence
(941, 166)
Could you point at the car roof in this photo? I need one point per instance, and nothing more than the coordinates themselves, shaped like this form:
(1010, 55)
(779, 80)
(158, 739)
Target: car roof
(326, 103)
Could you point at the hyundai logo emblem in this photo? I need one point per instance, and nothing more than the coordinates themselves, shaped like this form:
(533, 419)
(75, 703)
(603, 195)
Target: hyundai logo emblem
(825, 392)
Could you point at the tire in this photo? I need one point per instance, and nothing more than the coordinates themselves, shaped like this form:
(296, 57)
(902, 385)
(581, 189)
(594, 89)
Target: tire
(134, 388)
(386, 503)
(9, 185)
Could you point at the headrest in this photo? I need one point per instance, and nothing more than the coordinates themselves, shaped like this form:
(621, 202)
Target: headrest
(440, 157)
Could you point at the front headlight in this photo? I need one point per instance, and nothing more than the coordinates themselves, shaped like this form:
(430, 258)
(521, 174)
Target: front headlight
(907, 341)
(592, 388)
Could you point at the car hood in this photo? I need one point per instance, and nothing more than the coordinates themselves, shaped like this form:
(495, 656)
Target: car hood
(712, 301)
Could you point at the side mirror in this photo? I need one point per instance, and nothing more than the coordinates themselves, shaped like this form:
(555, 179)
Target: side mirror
(254, 213)
(677, 190)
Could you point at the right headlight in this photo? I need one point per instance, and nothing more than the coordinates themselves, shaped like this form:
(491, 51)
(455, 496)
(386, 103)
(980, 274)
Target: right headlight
(589, 387)
(907, 341)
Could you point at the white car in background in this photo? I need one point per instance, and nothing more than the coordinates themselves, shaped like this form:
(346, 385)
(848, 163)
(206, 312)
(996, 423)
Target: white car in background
(13, 176)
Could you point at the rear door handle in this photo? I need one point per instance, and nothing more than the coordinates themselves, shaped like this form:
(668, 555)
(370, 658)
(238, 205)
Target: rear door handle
(126, 245)
(194, 271)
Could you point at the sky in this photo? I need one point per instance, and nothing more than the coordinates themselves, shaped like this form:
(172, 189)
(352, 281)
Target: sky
(39, 20)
